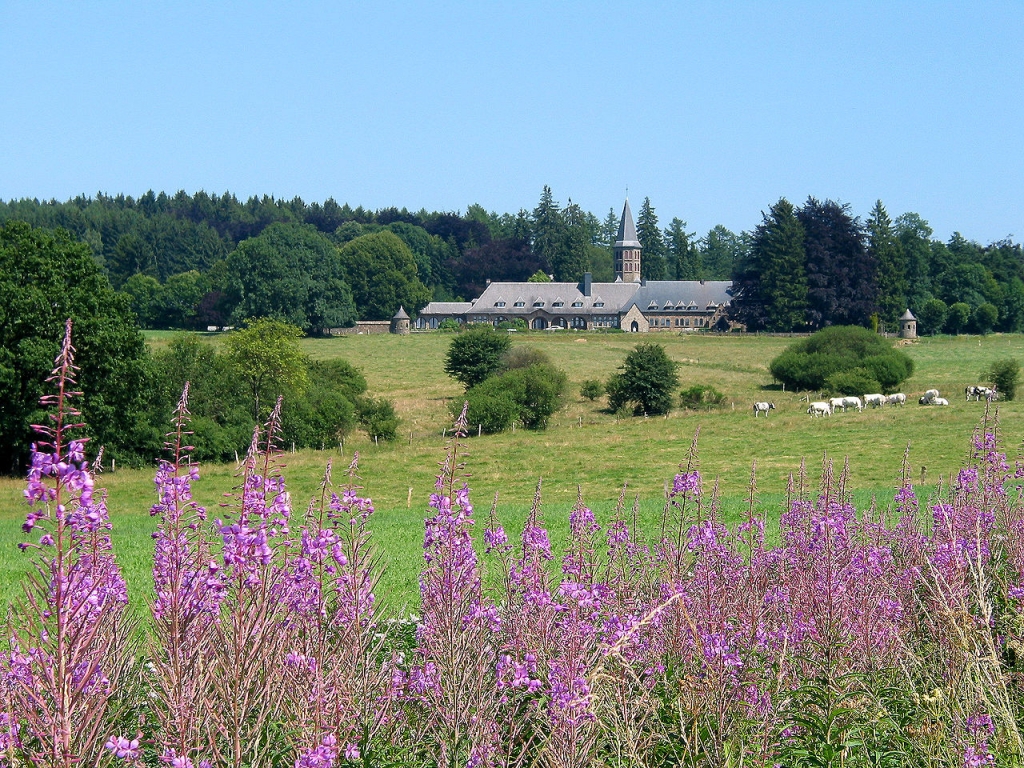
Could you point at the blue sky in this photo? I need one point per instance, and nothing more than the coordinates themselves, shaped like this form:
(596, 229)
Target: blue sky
(713, 110)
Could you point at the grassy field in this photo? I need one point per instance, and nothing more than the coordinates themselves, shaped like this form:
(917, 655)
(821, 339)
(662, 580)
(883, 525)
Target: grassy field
(586, 447)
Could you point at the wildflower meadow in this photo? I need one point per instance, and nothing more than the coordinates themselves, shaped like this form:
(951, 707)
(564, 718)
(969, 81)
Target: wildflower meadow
(864, 637)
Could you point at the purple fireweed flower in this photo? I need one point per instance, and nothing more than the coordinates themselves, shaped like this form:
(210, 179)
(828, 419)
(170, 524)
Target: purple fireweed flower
(976, 756)
(685, 483)
(123, 748)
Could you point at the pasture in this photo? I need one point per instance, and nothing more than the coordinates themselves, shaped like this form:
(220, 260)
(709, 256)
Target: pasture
(586, 448)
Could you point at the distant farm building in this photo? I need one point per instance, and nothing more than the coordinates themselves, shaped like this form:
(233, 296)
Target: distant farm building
(629, 303)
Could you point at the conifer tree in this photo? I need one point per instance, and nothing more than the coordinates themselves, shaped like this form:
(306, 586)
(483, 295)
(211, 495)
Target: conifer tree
(915, 237)
(652, 265)
(549, 230)
(683, 254)
(887, 252)
(609, 228)
(572, 260)
(841, 281)
(771, 284)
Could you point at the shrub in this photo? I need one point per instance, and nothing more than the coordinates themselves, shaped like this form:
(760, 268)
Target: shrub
(476, 354)
(591, 389)
(1004, 374)
(449, 324)
(523, 357)
(808, 364)
(701, 396)
(515, 324)
(856, 381)
(377, 416)
(646, 382)
(527, 395)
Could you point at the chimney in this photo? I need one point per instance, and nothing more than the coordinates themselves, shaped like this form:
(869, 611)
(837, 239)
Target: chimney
(587, 284)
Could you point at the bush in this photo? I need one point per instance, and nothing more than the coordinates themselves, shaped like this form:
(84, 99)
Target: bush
(808, 364)
(476, 354)
(857, 381)
(1004, 374)
(377, 416)
(527, 395)
(591, 389)
(523, 357)
(449, 324)
(701, 396)
(515, 324)
(647, 381)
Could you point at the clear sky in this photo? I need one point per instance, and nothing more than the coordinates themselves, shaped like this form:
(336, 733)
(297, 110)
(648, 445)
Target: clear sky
(713, 110)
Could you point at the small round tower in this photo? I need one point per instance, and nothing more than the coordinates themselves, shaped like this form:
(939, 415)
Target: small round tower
(908, 326)
(400, 323)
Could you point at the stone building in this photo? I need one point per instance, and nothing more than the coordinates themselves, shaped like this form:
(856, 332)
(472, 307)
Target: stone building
(629, 303)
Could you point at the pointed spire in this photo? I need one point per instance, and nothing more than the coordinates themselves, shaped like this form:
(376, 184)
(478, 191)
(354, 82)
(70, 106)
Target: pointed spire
(627, 230)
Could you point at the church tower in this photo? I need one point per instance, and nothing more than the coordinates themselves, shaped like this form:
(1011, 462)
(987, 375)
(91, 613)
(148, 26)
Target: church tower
(627, 249)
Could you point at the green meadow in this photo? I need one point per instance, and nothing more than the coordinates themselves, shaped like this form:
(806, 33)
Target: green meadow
(586, 450)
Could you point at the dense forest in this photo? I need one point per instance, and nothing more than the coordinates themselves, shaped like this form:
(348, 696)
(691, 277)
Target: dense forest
(192, 261)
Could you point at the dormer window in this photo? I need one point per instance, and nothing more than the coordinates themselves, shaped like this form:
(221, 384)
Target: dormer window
(558, 304)
(598, 303)
(577, 304)
(519, 303)
(538, 303)
(652, 305)
(499, 303)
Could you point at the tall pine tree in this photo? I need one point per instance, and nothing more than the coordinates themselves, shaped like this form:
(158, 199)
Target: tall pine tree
(771, 283)
(549, 230)
(915, 237)
(652, 265)
(683, 254)
(887, 252)
(841, 283)
(572, 259)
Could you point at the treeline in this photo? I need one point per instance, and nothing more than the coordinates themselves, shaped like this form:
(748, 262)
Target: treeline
(191, 261)
(47, 278)
(818, 265)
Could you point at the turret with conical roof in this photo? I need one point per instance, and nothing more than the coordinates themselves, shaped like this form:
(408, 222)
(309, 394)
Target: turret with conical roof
(627, 249)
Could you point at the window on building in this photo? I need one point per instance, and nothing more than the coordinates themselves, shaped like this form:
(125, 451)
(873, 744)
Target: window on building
(577, 304)
(519, 304)
(538, 303)
(598, 303)
(499, 303)
(558, 304)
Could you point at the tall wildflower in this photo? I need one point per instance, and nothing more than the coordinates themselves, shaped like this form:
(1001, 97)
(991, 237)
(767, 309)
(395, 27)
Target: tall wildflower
(189, 587)
(69, 642)
(453, 674)
(341, 680)
(252, 634)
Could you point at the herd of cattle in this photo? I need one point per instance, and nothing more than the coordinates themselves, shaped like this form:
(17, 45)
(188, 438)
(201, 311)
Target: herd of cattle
(830, 406)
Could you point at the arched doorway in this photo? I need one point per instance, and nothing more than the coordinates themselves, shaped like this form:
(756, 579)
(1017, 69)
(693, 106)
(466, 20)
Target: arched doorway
(634, 327)
(539, 324)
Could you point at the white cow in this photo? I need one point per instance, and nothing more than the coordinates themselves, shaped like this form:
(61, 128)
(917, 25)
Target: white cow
(978, 392)
(875, 401)
(939, 401)
(928, 396)
(820, 409)
(896, 399)
(836, 403)
(853, 402)
(763, 408)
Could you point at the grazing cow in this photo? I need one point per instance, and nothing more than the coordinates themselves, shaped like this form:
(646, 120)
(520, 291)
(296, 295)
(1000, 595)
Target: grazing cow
(978, 392)
(928, 396)
(836, 403)
(875, 401)
(763, 408)
(896, 399)
(820, 409)
(853, 402)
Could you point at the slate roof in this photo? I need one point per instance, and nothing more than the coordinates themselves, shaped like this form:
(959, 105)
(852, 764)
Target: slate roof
(676, 295)
(447, 308)
(612, 295)
(400, 314)
(908, 316)
(626, 238)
